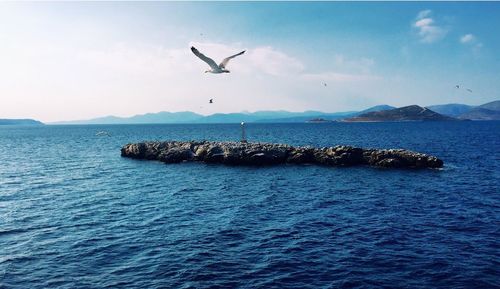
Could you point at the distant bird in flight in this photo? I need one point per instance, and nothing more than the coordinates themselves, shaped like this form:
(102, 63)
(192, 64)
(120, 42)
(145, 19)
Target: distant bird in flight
(469, 90)
(324, 83)
(211, 100)
(457, 86)
(221, 68)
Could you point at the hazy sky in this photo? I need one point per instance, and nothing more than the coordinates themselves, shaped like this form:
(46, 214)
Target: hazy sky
(67, 61)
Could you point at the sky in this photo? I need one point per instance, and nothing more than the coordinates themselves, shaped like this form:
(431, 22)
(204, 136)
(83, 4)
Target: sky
(81, 60)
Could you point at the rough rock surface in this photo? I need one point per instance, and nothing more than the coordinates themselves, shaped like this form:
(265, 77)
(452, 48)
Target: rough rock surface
(238, 153)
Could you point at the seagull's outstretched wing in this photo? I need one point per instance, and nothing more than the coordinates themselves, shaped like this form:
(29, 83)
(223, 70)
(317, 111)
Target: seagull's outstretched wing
(208, 60)
(226, 60)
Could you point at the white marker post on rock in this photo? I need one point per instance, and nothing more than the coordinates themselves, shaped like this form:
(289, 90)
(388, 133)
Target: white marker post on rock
(243, 133)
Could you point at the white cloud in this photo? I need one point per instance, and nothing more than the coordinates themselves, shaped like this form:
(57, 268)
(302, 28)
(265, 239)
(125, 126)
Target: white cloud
(467, 38)
(471, 40)
(273, 62)
(428, 31)
(339, 77)
(424, 22)
(424, 13)
(129, 78)
(362, 65)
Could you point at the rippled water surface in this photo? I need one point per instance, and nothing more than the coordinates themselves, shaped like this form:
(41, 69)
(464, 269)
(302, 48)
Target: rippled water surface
(74, 214)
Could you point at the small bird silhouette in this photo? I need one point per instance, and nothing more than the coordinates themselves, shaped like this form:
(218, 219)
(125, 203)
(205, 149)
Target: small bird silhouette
(324, 83)
(211, 100)
(457, 86)
(469, 90)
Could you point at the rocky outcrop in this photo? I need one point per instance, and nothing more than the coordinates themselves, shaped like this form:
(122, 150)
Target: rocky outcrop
(239, 153)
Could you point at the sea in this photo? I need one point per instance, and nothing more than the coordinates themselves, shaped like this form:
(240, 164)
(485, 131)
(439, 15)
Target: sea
(75, 214)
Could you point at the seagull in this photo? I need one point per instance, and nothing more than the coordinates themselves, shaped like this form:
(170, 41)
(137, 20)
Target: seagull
(324, 83)
(211, 100)
(457, 86)
(469, 90)
(103, 133)
(221, 68)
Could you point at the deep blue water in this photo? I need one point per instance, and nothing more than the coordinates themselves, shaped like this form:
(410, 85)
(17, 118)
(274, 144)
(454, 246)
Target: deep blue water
(74, 214)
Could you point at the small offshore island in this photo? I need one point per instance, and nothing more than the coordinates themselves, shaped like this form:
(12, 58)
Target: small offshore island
(243, 153)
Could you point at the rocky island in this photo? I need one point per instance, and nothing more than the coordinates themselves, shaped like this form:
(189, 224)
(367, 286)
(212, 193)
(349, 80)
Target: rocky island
(243, 153)
(407, 113)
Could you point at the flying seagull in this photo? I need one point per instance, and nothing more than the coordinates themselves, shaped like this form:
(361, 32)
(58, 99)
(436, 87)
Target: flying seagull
(211, 100)
(221, 68)
(457, 86)
(469, 90)
(324, 83)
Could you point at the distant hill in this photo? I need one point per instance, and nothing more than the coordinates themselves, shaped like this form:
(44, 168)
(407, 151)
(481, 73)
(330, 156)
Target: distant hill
(20, 122)
(160, 117)
(407, 113)
(478, 113)
(228, 118)
(307, 117)
(327, 116)
(191, 117)
(451, 109)
(377, 108)
(275, 114)
(487, 111)
(494, 105)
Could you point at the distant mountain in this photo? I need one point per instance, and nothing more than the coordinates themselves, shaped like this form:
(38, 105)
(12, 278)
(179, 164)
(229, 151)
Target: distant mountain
(407, 113)
(160, 117)
(228, 118)
(190, 117)
(327, 116)
(274, 114)
(377, 108)
(487, 111)
(260, 116)
(451, 109)
(164, 116)
(314, 115)
(478, 113)
(494, 105)
(20, 122)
